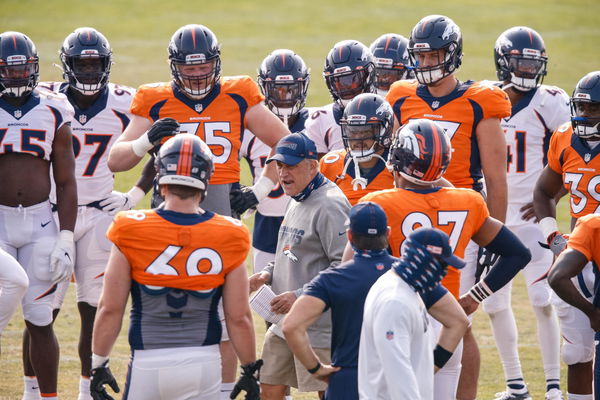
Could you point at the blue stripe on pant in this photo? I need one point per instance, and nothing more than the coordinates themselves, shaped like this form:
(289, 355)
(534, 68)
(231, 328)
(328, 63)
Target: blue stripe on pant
(343, 385)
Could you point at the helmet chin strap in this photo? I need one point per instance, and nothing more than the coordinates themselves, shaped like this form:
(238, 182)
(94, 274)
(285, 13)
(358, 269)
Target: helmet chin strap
(358, 182)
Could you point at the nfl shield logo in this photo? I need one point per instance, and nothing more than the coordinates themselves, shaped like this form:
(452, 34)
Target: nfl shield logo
(82, 119)
(389, 335)
(587, 157)
(18, 113)
(435, 104)
(198, 107)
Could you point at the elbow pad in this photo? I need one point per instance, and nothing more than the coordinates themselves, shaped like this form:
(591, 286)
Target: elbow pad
(514, 256)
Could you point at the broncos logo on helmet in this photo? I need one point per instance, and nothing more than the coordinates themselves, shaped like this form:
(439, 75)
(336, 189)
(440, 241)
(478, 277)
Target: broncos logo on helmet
(420, 152)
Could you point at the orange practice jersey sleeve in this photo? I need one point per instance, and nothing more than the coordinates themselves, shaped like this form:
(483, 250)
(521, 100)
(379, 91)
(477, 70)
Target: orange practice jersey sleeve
(585, 237)
(378, 178)
(219, 119)
(579, 165)
(458, 113)
(458, 212)
(189, 257)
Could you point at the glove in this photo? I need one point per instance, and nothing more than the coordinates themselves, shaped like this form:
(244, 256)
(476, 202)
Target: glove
(62, 258)
(159, 130)
(118, 201)
(242, 199)
(100, 376)
(557, 242)
(248, 381)
(162, 128)
(485, 261)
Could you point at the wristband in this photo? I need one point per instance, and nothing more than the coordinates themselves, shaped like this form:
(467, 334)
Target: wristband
(135, 194)
(315, 369)
(548, 226)
(480, 291)
(262, 188)
(441, 356)
(65, 236)
(98, 361)
(141, 145)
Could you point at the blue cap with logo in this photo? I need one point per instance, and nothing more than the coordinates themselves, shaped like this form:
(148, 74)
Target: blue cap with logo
(438, 244)
(368, 219)
(294, 148)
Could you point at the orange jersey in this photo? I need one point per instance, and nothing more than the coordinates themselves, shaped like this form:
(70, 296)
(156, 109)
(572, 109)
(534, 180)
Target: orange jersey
(189, 257)
(219, 119)
(585, 238)
(458, 212)
(378, 178)
(579, 166)
(459, 113)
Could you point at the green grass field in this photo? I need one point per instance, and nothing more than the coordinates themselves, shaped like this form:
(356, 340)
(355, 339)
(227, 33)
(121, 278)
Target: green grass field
(139, 32)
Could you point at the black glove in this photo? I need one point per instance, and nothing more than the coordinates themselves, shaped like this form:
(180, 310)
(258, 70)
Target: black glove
(242, 199)
(100, 377)
(248, 381)
(162, 128)
(485, 261)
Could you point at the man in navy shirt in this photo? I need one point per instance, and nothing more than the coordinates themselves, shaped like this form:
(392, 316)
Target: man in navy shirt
(344, 290)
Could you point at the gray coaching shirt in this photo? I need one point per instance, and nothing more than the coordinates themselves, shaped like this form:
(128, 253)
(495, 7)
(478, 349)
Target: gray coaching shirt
(311, 238)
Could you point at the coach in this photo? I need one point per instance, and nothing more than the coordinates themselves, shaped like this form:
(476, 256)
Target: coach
(311, 239)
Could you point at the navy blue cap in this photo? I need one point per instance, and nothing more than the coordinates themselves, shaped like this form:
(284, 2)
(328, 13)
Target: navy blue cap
(438, 244)
(368, 219)
(294, 148)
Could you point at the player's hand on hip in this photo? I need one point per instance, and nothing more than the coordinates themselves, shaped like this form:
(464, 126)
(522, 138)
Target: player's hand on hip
(116, 202)
(248, 381)
(282, 303)
(102, 376)
(528, 212)
(242, 198)
(62, 258)
(257, 280)
(557, 242)
(325, 372)
(468, 304)
(161, 129)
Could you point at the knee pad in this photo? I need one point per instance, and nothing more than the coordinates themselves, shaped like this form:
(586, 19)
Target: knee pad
(499, 301)
(577, 353)
(539, 295)
(578, 343)
(38, 314)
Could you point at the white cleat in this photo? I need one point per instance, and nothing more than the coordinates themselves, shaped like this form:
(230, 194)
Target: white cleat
(554, 394)
(512, 396)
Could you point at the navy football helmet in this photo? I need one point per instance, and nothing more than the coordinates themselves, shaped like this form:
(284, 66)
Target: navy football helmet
(19, 65)
(349, 70)
(520, 58)
(184, 160)
(585, 107)
(195, 58)
(367, 125)
(390, 54)
(435, 32)
(420, 152)
(86, 59)
(283, 79)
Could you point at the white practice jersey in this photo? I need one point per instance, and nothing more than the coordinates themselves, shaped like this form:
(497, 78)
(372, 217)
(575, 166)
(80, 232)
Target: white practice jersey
(31, 128)
(323, 127)
(528, 131)
(95, 130)
(395, 360)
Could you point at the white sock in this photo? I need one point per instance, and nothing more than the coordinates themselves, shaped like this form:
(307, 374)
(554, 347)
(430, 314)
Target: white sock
(288, 398)
(30, 385)
(84, 384)
(226, 389)
(504, 328)
(571, 396)
(49, 397)
(549, 337)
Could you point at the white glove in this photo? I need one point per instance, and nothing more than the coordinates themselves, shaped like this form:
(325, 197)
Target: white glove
(118, 201)
(62, 258)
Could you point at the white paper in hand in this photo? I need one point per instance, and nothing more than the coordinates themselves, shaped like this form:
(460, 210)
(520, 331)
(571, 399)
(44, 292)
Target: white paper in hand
(261, 304)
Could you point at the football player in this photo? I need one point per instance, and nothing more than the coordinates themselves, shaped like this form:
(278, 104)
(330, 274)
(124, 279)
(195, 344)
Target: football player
(348, 72)
(582, 248)
(35, 135)
(572, 163)
(176, 262)
(390, 55)
(367, 134)
(420, 154)
(101, 115)
(217, 109)
(537, 111)
(283, 79)
(470, 113)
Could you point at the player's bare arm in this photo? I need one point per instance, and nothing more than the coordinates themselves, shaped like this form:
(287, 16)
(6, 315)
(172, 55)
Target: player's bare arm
(121, 156)
(492, 149)
(63, 167)
(547, 187)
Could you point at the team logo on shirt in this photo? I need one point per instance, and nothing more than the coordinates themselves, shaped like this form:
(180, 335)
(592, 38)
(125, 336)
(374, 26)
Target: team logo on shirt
(389, 335)
(82, 119)
(435, 104)
(18, 113)
(198, 107)
(287, 251)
